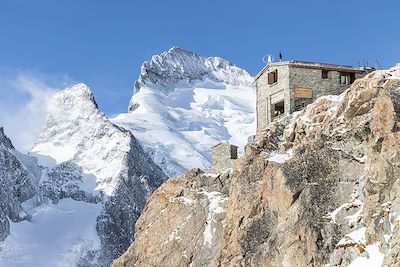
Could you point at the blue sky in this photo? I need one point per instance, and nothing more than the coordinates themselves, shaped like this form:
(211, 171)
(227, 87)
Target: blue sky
(103, 43)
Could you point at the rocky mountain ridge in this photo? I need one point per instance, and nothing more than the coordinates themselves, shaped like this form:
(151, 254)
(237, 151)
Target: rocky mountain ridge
(178, 67)
(318, 188)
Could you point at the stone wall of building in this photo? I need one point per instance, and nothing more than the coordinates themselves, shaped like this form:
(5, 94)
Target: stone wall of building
(224, 157)
(312, 78)
(261, 101)
(271, 94)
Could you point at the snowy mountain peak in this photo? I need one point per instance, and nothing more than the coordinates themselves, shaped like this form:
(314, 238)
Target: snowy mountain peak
(71, 114)
(77, 131)
(179, 68)
(184, 104)
(90, 160)
(79, 96)
(177, 51)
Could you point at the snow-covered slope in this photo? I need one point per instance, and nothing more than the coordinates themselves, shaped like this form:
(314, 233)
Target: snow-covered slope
(95, 183)
(183, 104)
(62, 234)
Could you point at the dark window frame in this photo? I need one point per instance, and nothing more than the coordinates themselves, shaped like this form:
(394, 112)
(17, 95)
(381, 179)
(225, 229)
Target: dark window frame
(351, 77)
(272, 77)
(343, 80)
(279, 109)
(324, 74)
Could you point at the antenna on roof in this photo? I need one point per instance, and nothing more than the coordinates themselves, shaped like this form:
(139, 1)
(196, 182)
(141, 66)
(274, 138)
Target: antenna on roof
(280, 56)
(378, 64)
(268, 59)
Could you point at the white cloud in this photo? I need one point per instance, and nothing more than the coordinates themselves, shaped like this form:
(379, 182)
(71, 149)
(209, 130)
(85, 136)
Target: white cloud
(23, 100)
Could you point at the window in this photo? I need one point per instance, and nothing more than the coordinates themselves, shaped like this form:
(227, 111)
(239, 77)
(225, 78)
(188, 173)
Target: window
(324, 74)
(300, 103)
(344, 79)
(347, 78)
(278, 109)
(273, 77)
(352, 77)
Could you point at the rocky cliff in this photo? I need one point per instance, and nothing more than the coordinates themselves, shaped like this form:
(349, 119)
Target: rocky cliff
(18, 185)
(319, 188)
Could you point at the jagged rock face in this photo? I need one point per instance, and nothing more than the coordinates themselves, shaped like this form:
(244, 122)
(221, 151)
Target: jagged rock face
(91, 160)
(67, 180)
(17, 186)
(279, 207)
(317, 188)
(116, 223)
(193, 230)
(183, 104)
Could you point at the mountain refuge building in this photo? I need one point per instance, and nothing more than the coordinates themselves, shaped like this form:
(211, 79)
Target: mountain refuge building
(224, 156)
(287, 86)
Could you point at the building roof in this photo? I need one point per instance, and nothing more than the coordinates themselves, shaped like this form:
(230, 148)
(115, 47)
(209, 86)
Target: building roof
(223, 144)
(312, 65)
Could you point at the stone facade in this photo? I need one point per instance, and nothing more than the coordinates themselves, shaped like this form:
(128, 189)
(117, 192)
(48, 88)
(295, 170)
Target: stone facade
(298, 84)
(224, 156)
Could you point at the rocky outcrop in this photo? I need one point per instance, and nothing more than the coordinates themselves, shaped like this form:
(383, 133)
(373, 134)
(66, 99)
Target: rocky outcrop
(17, 185)
(183, 223)
(319, 188)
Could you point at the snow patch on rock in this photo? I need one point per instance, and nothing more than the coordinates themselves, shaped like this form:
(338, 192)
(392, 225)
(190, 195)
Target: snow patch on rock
(215, 207)
(281, 158)
(373, 257)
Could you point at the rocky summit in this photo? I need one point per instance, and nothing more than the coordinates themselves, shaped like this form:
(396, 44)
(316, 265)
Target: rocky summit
(317, 188)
